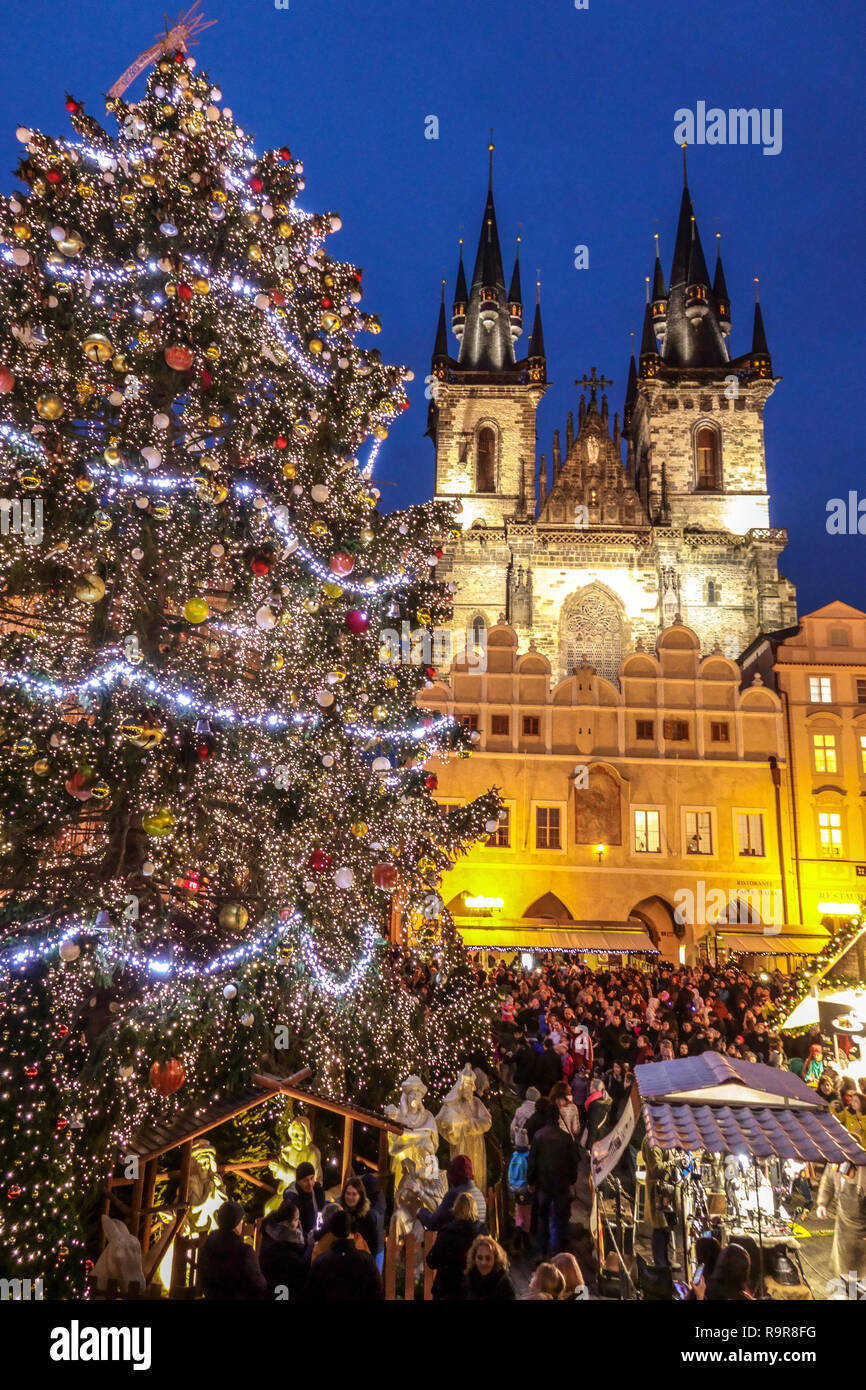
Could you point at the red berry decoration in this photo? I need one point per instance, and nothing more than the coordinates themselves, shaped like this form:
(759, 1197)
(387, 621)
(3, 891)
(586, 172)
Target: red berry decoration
(341, 563)
(167, 1077)
(62, 1122)
(319, 861)
(385, 877)
(357, 621)
(431, 781)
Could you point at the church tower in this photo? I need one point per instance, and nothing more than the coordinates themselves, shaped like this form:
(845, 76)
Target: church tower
(484, 401)
(695, 431)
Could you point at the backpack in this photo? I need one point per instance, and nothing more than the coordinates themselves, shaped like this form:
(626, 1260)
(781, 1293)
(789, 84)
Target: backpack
(517, 1171)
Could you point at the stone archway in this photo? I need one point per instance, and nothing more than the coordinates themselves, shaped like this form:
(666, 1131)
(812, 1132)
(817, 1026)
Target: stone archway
(657, 916)
(592, 632)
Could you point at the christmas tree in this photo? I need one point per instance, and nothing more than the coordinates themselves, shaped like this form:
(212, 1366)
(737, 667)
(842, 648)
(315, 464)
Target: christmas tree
(212, 786)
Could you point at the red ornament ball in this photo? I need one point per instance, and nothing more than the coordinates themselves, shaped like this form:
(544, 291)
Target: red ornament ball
(385, 877)
(72, 105)
(285, 152)
(54, 176)
(260, 564)
(179, 357)
(184, 291)
(256, 184)
(204, 751)
(341, 563)
(431, 781)
(7, 381)
(206, 378)
(357, 621)
(280, 442)
(167, 1077)
(277, 297)
(13, 1192)
(319, 861)
(31, 1070)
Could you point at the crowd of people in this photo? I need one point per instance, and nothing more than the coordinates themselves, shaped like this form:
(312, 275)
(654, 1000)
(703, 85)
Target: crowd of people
(564, 1048)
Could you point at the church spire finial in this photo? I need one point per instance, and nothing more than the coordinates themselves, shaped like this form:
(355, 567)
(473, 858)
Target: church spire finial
(685, 166)
(490, 148)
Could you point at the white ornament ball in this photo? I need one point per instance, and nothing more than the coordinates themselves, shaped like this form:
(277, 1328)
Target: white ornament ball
(23, 134)
(324, 698)
(115, 398)
(261, 301)
(126, 1073)
(345, 877)
(230, 991)
(137, 553)
(381, 765)
(328, 760)
(247, 1020)
(69, 951)
(151, 456)
(319, 492)
(58, 233)
(148, 868)
(491, 826)
(20, 256)
(161, 421)
(266, 618)
(336, 222)
(217, 551)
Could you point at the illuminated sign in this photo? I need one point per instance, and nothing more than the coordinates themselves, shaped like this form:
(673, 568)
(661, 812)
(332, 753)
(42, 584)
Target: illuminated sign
(484, 902)
(839, 909)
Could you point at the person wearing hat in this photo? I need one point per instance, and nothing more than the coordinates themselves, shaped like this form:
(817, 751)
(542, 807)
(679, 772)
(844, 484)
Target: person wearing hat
(227, 1267)
(461, 1178)
(310, 1197)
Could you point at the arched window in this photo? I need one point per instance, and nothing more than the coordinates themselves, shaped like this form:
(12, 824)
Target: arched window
(714, 591)
(478, 629)
(485, 464)
(707, 459)
(591, 631)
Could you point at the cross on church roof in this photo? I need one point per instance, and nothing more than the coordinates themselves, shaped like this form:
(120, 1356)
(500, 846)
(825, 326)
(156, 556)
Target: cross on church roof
(593, 382)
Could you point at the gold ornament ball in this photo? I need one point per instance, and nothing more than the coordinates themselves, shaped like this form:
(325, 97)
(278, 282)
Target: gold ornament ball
(50, 406)
(90, 589)
(159, 824)
(196, 610)
(359, 829)
(233, 917)
(97, 347)
(24, 748)
(42, 767)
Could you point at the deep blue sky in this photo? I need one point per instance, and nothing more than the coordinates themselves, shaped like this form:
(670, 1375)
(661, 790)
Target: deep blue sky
(582, 103)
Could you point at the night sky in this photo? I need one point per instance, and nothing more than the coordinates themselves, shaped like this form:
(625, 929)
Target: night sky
(582, 102)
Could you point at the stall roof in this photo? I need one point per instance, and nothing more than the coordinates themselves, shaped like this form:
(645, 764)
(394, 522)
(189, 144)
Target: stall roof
(530, 936)
(725, 1105)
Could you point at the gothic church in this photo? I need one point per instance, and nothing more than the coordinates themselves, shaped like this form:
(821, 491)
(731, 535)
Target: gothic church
(595, 558)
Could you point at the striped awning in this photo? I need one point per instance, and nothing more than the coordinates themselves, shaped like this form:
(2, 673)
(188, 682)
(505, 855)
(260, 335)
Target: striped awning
(528, 936)
(760, 944)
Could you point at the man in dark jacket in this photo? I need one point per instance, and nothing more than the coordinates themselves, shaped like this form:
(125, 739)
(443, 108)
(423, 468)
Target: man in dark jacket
(548, 1069)
(551, 1172)
(344, 1273)
(227, 1268)
(310, 1197)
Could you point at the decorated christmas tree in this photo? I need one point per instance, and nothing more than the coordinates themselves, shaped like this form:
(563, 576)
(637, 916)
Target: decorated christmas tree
(212, 786)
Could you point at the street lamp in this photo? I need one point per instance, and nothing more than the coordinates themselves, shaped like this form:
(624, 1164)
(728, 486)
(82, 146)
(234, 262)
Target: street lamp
(600, 849)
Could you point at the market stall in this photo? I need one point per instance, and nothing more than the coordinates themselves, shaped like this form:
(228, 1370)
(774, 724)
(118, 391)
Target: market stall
(740, 1134)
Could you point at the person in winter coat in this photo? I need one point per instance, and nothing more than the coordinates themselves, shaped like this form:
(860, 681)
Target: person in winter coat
(227, 1267)
(376, 1198)
(845, 1195)
(569, 1115)
(549, 1068)
(552, 1171)
(487, 1272)
(461, 1178)
(284, 1257)
(660, 1172)
(525, 1109)
(362, 1221)
(310, 1197)
(449, 1254)
(729, 1282)
(344, 1273)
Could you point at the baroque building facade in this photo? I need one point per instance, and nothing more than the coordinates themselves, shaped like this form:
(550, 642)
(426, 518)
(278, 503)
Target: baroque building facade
(662, 514)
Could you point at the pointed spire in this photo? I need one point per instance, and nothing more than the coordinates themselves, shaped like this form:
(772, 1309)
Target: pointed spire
(649, 353)
(536, 341)
(698, 282)
(542, 481)
(569, 432)
(760, 361)
(488, 272)
(461, 294)
(458, 308)
(515, 299)
(557, 455)
(486, 345)
(630, 392)
(720, 291)
(659, 291)
(693, 334)
(440, 350)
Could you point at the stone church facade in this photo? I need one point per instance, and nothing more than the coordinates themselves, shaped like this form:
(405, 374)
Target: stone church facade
(662, 515)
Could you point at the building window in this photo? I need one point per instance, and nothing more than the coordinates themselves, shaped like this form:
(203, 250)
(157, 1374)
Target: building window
(501, 837)
(500, 724)
(719, 731)
(863, 752)
(830, 832)
(707, 459)
(485, 465)
(469, 721)
(547, 827)
(821, 690)
(645, 729)
(750, 834)
(676, 730)
(824, 750)
(714, 591)
(840, 637)
(861, 691)
(531, 726)
(699, 832)
(647, 832)
(479, 627)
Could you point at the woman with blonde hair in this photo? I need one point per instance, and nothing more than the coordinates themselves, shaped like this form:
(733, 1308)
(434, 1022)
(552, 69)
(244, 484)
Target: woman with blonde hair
(548, 1279)
(449, 1254)
(575, 1288)
(487, 1271)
